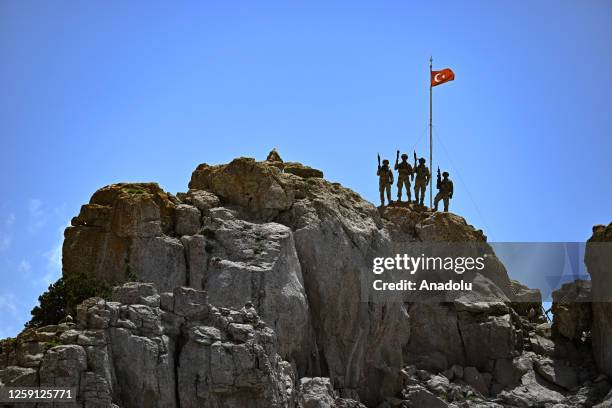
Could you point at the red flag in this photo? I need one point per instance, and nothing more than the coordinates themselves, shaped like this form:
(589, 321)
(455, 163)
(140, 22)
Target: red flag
(440, 77)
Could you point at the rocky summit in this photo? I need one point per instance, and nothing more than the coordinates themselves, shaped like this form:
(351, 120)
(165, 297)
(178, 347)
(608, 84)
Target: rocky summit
(247, 291)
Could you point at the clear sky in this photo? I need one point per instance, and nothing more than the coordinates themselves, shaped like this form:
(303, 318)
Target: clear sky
(98, 92)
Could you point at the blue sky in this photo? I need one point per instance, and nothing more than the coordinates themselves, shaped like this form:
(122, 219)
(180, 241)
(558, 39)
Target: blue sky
(100, 92)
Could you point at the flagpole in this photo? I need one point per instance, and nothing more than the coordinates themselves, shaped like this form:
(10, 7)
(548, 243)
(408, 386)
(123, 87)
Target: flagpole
(430, 138)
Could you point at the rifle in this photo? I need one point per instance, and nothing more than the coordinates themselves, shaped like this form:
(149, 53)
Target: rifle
(397, 158)
(378, 155)
(415, 165)
(439, 181)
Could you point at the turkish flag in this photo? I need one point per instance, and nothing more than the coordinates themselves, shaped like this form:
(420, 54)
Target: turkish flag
(440, 77)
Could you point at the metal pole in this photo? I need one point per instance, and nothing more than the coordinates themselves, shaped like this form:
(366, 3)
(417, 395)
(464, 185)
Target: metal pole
(430, 138)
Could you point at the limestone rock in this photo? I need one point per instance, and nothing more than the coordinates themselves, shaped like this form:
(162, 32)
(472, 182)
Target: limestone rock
(598, 258)
(572, 309)
(301, 170)
(524, 298)
(316, 392)
(200, 199)
(160, 260)
(134, 359)
(531, 393)
(417, 396)
(136, 293)
(14, 376)
(260, 189)
(62, 366)
(98, 242)
(187, 220)
(264, 270)
(486, 338)
(557, 372)
(476, 380)
(258, 262)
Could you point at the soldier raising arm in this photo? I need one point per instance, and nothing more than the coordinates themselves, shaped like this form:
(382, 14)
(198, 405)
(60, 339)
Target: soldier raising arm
(445, 191)
(404, 174)
(385, 179)
(422, 179)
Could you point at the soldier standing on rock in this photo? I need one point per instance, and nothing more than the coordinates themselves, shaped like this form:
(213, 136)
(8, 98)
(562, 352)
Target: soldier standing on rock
(404, 175)
(385, 179)
(445, 191)
(420, 183)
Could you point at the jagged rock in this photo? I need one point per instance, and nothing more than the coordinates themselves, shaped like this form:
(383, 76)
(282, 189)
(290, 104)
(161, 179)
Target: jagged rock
(188, 302)
(447, 227)
(544, 329)
(136, 293)
(200, 199)
(524, 298)
(557, 372)
(531, 393)
(606, 403)
(348, 403)
(13, 376)
(507, 372)
(259, 262)
(598, 259)
(434, 328)
(302, 171)
(98, 242)
(268, 232)
(438, 384)
(542, 345)
(476, 380)
(417, 396)
(282, 252)
(486, 338)
(160, 260)
(137, 360)
(261, 189)
(433, 362)
(572, 309)
(273, 156)
(316, 392)
(187, 220)
(62, 366)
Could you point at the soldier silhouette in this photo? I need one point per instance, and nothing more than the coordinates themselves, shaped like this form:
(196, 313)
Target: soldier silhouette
(404, 175)
(385, 179)
(445, 191)
(420, 183)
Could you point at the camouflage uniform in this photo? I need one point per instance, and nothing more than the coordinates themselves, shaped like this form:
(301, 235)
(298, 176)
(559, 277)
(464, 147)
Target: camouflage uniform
(385, 179)
(420, 183)
(404, 174)
(445, 192)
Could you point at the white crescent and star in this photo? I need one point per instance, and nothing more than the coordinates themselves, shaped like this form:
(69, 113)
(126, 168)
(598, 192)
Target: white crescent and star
(441, 75)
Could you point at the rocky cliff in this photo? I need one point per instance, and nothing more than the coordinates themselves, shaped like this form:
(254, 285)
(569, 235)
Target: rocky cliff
(247, 291)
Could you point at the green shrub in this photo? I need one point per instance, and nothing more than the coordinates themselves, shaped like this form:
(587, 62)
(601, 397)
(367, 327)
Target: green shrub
(63, 296)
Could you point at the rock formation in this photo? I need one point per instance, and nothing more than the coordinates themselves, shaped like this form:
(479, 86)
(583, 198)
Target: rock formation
(248, 291)
(598, 258)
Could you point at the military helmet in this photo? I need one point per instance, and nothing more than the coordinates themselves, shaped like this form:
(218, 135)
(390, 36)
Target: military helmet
(404, 156)
(385, 161)
(445, 174)
(422, 160)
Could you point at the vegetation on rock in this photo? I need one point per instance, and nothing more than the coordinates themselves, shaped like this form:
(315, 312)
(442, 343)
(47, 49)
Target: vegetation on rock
(63, 296)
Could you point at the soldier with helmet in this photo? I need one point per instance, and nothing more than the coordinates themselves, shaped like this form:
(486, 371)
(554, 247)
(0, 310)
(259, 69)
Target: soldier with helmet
(404, 175)
(445, 191)
(385, 179)
(421, 181)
